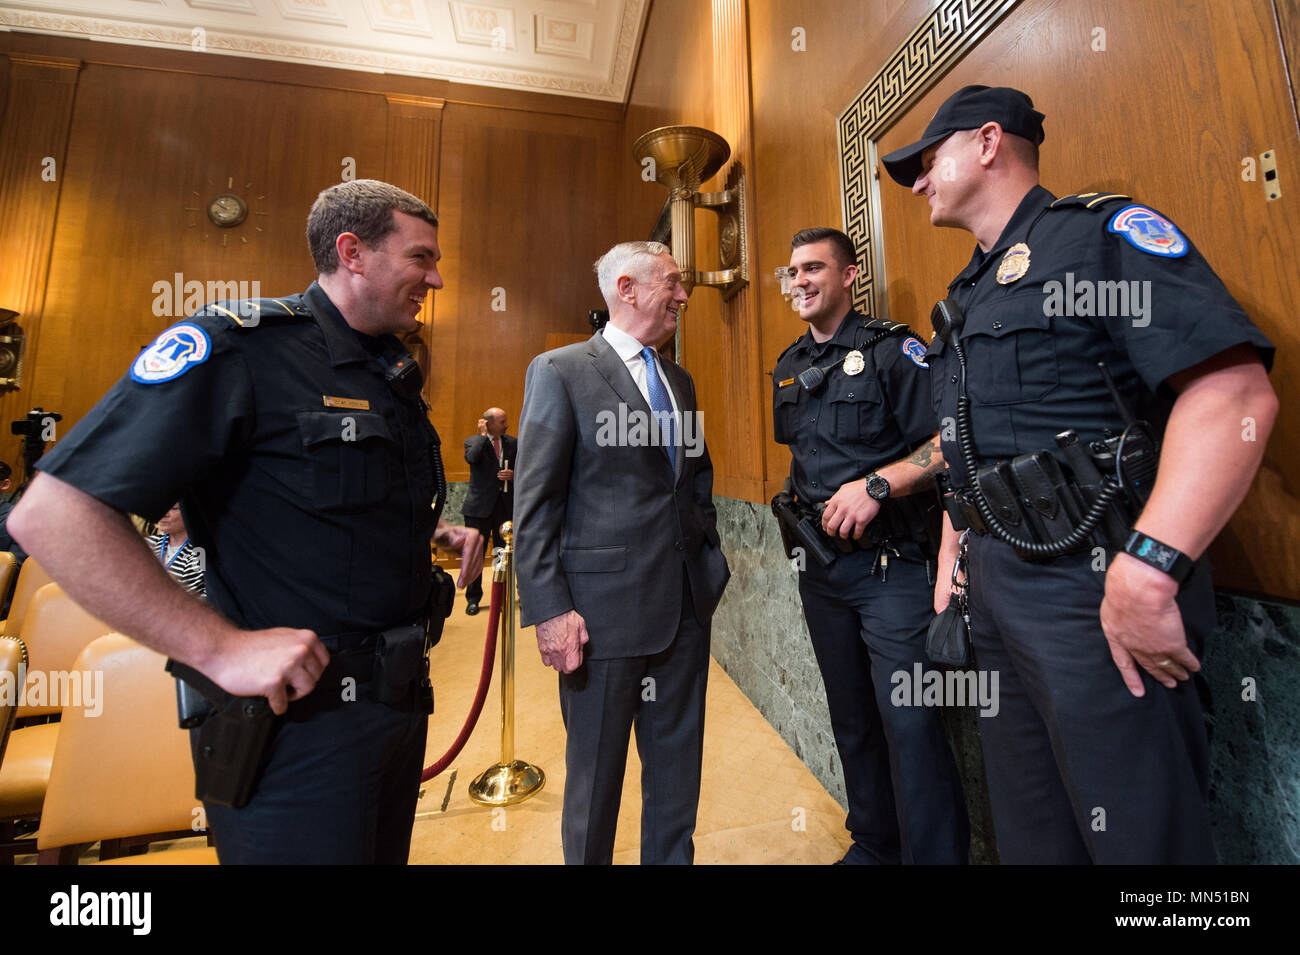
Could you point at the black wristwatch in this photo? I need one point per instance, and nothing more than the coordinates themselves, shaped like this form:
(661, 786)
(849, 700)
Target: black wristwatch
(877, 486)
(1160, 556)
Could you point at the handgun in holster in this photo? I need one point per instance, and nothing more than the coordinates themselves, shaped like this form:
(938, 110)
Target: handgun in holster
(800, 529)
(231, 736)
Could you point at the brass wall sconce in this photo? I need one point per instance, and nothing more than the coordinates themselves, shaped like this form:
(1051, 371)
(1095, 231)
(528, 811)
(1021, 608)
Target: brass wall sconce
(681, 158)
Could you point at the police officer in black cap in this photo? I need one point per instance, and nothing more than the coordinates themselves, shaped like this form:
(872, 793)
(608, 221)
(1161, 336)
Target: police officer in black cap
(852, 400)
(294, 434)
(1087, 588)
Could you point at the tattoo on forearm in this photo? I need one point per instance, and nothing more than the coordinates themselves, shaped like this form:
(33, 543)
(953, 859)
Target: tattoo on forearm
(923, 457)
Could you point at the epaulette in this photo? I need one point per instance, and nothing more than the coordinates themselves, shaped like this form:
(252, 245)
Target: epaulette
(886, 326)
(252, 312)
(1088, 200)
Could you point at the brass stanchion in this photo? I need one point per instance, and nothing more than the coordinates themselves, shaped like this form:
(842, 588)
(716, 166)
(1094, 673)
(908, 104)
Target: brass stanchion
(511, 780)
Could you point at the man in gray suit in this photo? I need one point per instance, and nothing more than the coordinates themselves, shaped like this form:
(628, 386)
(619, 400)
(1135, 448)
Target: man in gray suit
(617, 552)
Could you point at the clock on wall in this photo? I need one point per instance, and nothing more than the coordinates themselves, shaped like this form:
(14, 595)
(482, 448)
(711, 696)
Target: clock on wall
(228, 209)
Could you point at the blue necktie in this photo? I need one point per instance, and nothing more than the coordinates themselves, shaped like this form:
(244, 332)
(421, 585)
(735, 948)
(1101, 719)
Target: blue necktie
(660, 404)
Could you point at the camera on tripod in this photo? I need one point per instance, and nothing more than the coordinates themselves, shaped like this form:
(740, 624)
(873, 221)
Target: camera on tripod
(36, 429)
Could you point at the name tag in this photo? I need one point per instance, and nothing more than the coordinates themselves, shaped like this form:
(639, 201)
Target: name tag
(356, 404)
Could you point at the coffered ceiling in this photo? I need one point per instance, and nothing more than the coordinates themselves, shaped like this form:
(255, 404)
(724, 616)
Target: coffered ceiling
(573, 47)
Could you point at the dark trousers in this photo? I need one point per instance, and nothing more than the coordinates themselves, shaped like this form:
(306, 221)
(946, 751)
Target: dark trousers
(487, 526)
(662, 697)
(1079, 769)
(905, 797)
(340, 789)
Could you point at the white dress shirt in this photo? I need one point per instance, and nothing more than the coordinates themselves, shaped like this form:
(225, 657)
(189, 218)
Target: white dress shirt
(629, 349)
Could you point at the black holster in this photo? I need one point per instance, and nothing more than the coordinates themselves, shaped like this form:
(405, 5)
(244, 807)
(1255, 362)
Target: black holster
(401, 676)
(442, 595)
(801, 528)
(231, 737)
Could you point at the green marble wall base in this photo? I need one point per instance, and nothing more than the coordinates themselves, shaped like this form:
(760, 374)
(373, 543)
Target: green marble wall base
(456, 492)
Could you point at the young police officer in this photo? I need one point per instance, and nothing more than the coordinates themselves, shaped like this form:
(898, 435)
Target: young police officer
(1098, 750)
(852, 400)
(298, 444)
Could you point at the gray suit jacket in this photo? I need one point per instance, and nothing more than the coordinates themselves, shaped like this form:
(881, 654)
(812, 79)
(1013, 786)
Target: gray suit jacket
(606, 528)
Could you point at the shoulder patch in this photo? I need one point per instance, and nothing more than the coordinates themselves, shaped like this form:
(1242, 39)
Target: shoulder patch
(1088, 200)
(915, 349)
(1149, 231)
(172, 354)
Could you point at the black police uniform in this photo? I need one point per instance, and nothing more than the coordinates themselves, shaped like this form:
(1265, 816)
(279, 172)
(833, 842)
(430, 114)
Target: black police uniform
(1078, 768)
(308, 482)
(868, 612)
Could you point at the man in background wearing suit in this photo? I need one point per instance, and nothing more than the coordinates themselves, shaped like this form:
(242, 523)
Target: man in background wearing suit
(490, 454)
(617, 551)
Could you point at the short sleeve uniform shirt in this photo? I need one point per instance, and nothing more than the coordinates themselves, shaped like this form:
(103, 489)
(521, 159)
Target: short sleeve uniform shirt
(305, 478)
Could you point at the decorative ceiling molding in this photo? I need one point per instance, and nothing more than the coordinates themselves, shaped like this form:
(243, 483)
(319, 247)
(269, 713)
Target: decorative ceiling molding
(583, 48)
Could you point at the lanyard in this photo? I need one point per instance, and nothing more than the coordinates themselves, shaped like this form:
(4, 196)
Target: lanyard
(162, 551)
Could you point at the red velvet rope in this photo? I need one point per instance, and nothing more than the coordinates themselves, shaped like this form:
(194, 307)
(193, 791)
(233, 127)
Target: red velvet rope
(484, 680)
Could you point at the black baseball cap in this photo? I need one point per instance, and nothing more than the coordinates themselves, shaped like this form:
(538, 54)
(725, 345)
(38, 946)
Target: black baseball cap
(968, 108)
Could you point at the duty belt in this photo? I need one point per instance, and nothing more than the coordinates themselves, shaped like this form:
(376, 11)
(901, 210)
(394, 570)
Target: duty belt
(912, 518)
(1040, 500)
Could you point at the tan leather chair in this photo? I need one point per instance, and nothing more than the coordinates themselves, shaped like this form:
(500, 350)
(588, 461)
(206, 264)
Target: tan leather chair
(31, 578)
(123, 777)
(55, 630)
(13, 667)
(8, 567)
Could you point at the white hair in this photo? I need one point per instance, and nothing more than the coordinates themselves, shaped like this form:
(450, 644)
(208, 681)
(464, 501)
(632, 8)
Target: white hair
(626, 258)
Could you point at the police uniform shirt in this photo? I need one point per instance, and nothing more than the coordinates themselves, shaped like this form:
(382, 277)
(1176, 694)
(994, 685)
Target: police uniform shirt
(1085, 279)
(306, 480)
(855, 423)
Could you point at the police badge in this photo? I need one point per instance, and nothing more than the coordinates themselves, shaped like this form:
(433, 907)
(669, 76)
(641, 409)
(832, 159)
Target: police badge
(854, 363)
(1014, 264)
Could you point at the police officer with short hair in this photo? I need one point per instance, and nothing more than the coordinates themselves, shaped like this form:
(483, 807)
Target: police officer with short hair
(1086, 588)
(852, 400)
(299, 446)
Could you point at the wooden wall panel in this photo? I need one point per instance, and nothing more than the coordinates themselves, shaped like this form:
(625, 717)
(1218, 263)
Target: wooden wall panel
(525, 208)
(523, 183)
(4, 86)
(676, 83)
(412, 150)
(685, 75)
(1214, 90)
(798, 95)
(142, 165)
(33, 170)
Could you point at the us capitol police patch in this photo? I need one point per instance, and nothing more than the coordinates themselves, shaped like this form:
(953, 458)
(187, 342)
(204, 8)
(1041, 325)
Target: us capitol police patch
(172, 354)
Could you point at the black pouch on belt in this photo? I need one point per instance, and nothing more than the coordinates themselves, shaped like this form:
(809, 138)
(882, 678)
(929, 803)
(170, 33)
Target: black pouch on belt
(400, 665)
(999, 488)
(1051, 506)
(948, 640)
(231, 741)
